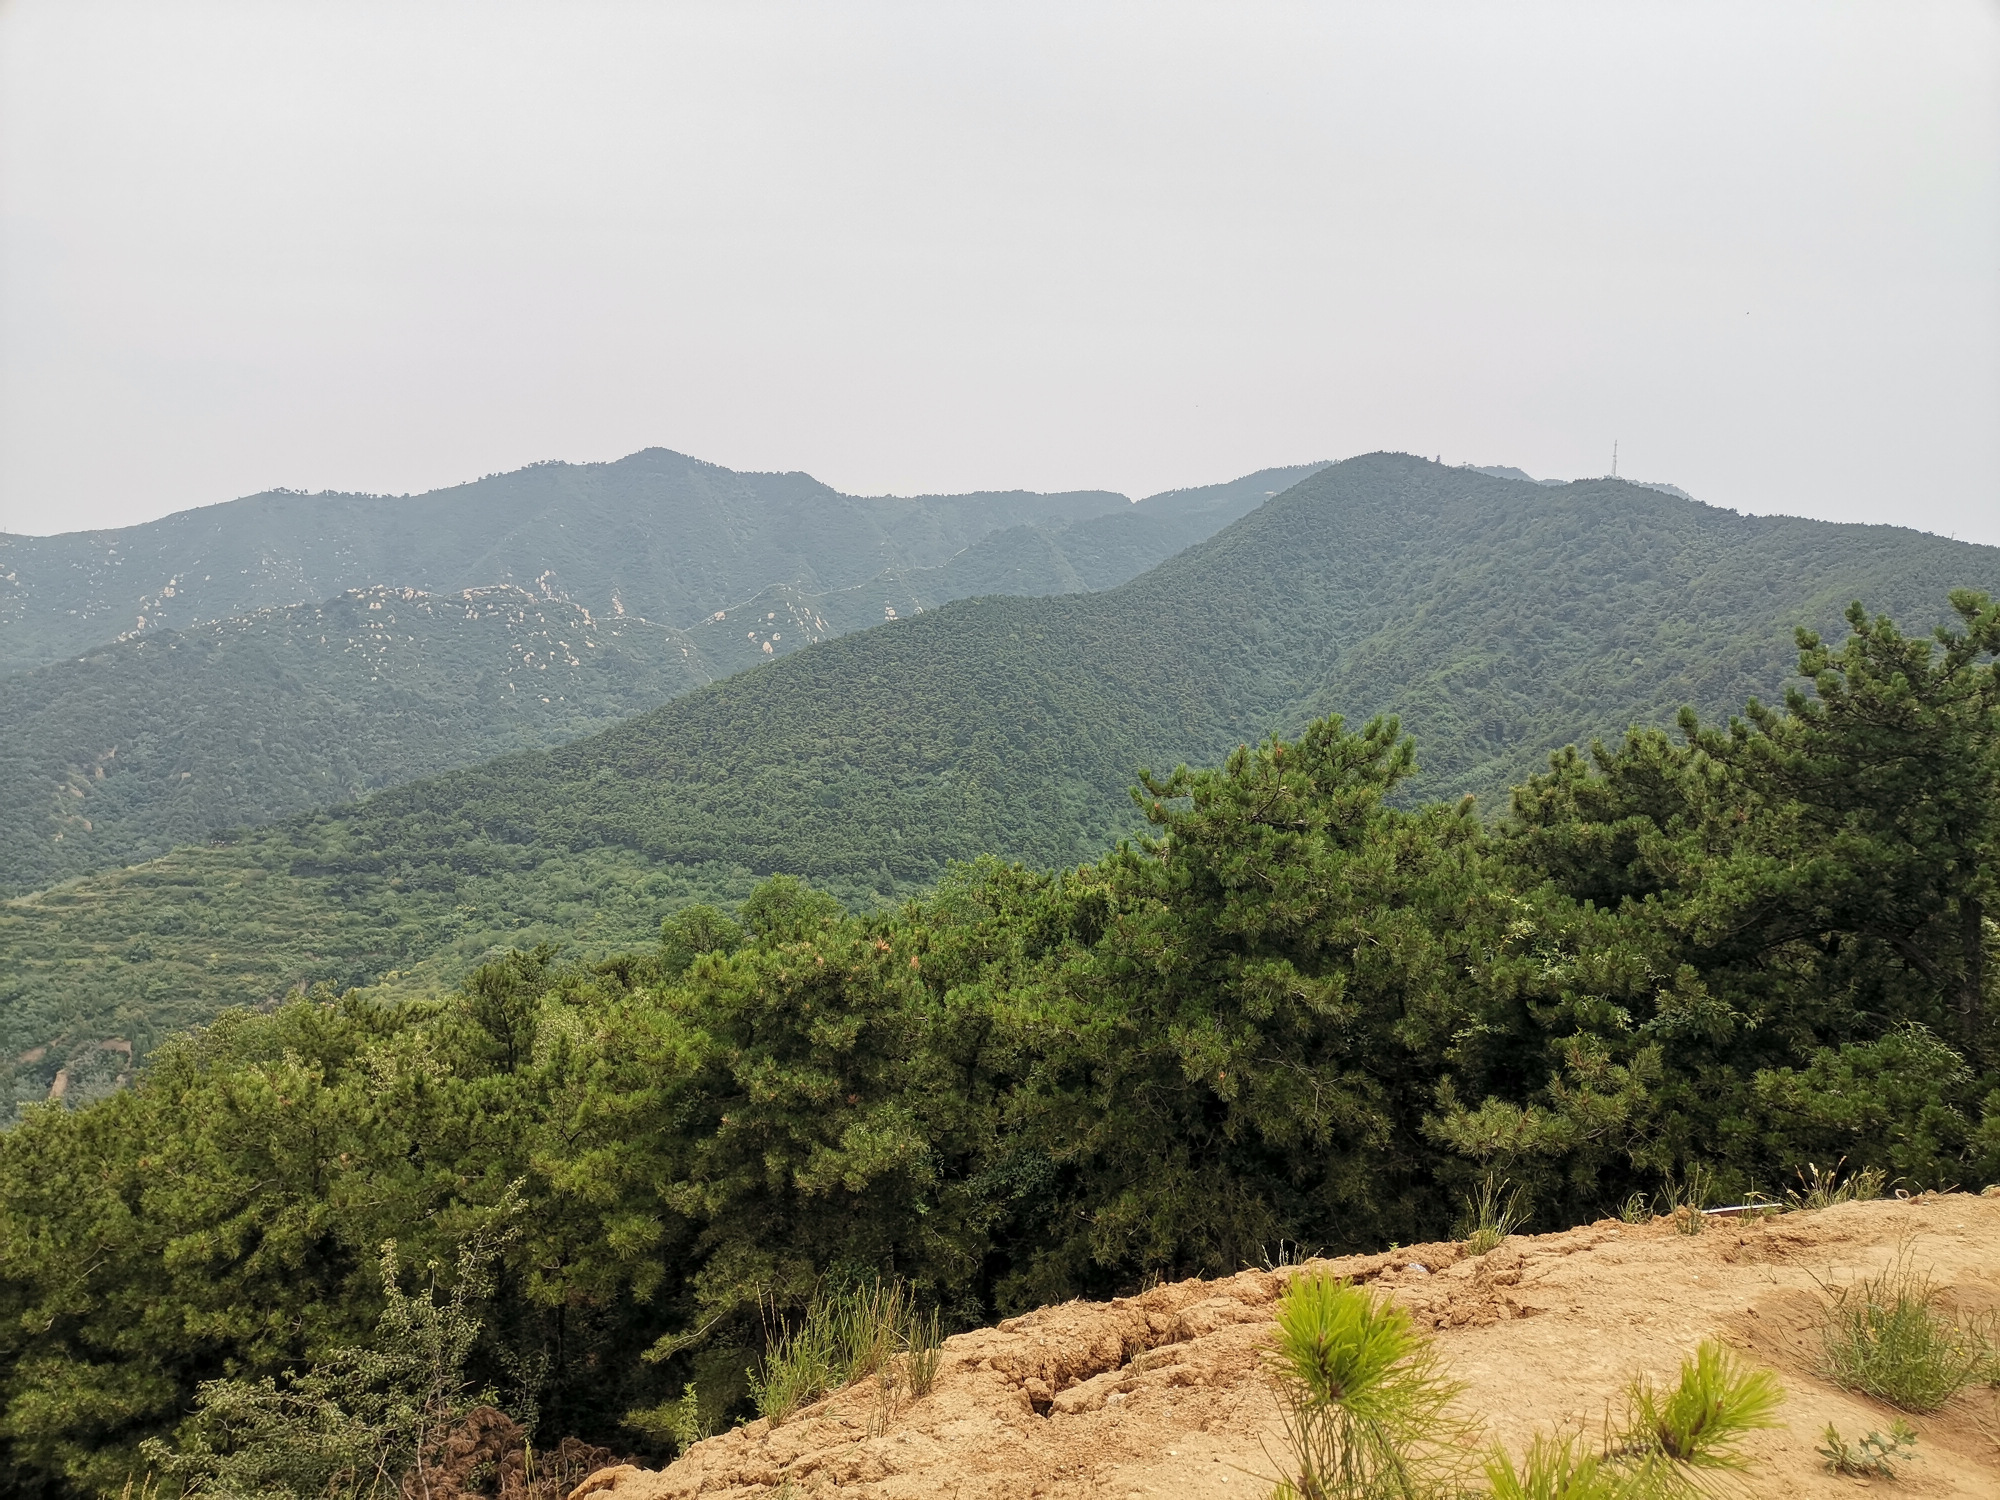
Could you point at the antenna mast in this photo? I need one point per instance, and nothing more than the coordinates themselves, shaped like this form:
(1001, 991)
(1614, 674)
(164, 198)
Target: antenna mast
(1614, 458)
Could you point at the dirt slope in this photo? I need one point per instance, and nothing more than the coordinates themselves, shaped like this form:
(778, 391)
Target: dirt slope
(1161, 1395)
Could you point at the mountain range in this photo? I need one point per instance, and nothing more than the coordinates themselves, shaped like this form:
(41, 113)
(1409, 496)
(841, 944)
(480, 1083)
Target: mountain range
(517, 612)
(1499, 618)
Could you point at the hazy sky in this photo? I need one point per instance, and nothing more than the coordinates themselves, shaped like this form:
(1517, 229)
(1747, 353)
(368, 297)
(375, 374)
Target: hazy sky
(937, 246)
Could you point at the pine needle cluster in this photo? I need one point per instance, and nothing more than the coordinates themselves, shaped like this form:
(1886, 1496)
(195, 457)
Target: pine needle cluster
(1366, 1408)
(1673, 1444)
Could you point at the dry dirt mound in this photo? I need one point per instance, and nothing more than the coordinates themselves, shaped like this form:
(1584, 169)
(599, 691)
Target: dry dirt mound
(1161, 1394)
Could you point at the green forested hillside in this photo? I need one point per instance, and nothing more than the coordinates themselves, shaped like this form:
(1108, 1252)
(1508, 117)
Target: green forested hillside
(655, 534)
(1058, 555)
(1499, 619)
(173, 735)
(1031, 561)
(139, 746)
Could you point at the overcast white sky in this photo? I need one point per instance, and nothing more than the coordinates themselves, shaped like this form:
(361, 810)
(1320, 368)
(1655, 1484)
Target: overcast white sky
(932, 246)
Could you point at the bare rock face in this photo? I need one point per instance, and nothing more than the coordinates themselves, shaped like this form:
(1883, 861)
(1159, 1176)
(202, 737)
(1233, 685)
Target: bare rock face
(1163, 1394)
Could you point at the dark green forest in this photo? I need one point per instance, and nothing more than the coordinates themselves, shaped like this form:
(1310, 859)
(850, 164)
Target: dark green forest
(1500, 619)
(1308, 1002)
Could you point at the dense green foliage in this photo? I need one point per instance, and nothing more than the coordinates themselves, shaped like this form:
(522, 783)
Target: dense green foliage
(120, 755)
(1299, 1009)
(1507, 618)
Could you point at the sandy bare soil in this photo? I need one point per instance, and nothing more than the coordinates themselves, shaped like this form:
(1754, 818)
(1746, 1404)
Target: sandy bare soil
(1162, 1394)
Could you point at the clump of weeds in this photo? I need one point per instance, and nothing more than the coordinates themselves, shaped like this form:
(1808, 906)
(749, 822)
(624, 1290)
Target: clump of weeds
(1823, 1189)
(1870, 1457)
(1491, 1215)
(846, 1336)
(1888, 1336)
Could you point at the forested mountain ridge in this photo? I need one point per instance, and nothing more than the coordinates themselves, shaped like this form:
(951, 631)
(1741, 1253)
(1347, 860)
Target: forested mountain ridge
(1500, 619)
(1049, 557)
(655, 534)
(179, 732)
(148, 743)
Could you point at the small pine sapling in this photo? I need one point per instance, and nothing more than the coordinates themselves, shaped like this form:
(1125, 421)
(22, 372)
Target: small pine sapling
(1677, 1442)
(1365, 1407)
(1556, 1469)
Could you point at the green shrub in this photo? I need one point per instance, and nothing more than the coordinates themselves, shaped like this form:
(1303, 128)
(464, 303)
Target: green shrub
(1365, 1407)
(1886, 1336)
(680, 1422)
(355, 1423)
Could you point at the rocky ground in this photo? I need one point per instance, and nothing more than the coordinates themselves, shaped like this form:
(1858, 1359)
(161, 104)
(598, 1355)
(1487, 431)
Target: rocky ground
(1162, 1395)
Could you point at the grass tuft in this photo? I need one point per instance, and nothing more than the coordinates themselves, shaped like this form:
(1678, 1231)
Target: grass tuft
(1685, 1200)
(1886, 1336)
(1823, 1189)
(1495, 1212)
(847, 1336)
(924, 1341)
(800, 1365)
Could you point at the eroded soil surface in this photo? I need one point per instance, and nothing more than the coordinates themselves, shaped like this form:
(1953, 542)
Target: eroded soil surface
(1162, 1394)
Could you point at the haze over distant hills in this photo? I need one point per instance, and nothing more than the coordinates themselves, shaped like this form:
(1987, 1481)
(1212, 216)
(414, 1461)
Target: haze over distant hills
(194, 724)
(1498, 618)
(656, 534)
(1508, 471)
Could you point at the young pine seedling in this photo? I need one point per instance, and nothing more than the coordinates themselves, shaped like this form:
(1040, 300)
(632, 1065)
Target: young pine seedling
(1366, 1409)
(1678, 1442)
